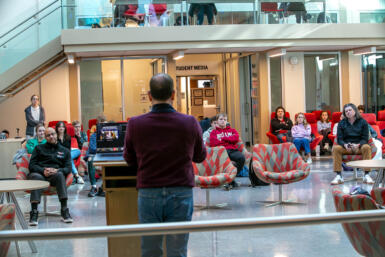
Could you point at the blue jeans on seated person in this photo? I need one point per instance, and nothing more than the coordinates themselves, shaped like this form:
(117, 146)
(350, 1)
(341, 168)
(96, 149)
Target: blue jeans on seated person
(75, 153)
(302, 142)
(165, 204)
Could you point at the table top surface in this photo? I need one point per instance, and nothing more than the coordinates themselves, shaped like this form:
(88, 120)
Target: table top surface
(22, 185)
(374, 164)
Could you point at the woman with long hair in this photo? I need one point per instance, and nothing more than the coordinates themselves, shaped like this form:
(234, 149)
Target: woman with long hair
(65, 140)
(301, 133)
(324, 128)
(281, 125)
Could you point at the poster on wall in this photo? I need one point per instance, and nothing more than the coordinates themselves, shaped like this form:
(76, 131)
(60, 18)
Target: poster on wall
(198, 101)
(197, 93)
(143, 97)
(209, 92)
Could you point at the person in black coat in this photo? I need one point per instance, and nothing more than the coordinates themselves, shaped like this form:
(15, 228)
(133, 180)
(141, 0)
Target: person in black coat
(281, 125)
(34, 114)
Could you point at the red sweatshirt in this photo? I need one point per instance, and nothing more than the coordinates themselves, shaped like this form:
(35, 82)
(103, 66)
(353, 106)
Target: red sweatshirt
(227, 137)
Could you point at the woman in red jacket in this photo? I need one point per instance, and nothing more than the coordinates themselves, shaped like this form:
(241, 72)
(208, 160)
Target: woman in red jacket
(226, 136)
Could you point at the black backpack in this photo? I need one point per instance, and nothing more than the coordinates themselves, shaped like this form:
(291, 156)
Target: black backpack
(255, 181)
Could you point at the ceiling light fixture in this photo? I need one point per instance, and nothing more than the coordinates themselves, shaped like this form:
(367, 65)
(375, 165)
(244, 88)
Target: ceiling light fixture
(365, 50)
(276, 52)
(71, 59)
(178, 55)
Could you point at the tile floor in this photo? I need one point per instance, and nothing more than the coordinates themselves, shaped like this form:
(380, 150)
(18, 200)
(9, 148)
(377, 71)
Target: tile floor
(306, 241)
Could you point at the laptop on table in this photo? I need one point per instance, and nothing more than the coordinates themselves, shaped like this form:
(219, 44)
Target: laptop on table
(110, 141)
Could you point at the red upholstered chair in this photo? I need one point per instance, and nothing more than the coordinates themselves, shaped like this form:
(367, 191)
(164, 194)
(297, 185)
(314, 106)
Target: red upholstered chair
(367, 238)
(371, 119)
(381, 119)
(378, 194)
(216, 170)
(279, 164)
(53, 123)
(336, 117)
(91, 123)
(22, 165)
(317, 114)
(7, 222)
(273, 138)
(312, 120)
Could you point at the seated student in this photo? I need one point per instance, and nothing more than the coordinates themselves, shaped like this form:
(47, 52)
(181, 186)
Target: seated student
(206, 134)
(335, 128)
(301, 133)
(377, 141)
(281, 125)
(228, 137)
(38, 139)
(324, 128)
(65, 140)
(80, 136)
(352, 138)
(5, 134)
(50, 162)
(94, 191)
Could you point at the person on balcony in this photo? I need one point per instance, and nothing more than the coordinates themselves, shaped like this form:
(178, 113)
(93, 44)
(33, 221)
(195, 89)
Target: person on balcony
(38, 139)
(301, 133)
(281, 125)
(352, 138)
(50, 162)
(34, 114)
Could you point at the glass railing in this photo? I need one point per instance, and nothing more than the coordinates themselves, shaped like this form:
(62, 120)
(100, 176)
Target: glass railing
(27, 36)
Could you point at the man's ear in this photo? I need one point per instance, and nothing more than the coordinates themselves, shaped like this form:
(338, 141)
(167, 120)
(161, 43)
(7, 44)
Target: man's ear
(173, 95)
(149, 96)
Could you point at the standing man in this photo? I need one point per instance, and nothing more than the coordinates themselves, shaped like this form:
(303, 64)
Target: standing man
(34, 114)
(50, 162)
(162, 144)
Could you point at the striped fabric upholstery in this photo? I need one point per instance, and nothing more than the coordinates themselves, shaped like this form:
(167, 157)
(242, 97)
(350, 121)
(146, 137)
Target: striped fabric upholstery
(367, 238)
(378, 194)
(7, 222)
(215, 170)
(22, 165)
(279, 163)
(241, 147)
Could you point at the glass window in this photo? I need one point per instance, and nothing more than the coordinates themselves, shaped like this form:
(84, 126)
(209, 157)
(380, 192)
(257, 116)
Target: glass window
(322, 82)
(275, 83)
(373, 67)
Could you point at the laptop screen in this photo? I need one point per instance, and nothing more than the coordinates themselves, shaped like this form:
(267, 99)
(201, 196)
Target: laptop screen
(110, 137)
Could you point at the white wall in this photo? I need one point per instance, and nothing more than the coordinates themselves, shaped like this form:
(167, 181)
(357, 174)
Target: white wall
(293, 84)
(54, 98)
(355, 79)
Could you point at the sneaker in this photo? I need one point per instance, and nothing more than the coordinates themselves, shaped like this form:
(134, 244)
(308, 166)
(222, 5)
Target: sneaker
(368, 179)
(337, 180)
(65, 216)
(227, 187)
(79, 180)
(326, 146)
(309, 161)
(33, 216)
(93, 192)
(101, 192)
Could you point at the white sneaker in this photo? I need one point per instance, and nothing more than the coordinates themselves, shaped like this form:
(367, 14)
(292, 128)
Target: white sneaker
(368, 179)
(79, 180)
(337, 180)
(326, 147)
(309, 161)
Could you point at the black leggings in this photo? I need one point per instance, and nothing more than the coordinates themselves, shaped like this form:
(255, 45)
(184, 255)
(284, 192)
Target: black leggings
(237, 157)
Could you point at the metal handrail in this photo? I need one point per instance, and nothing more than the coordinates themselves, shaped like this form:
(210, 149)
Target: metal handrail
(29, 26)
(21, 23)
(194, 226)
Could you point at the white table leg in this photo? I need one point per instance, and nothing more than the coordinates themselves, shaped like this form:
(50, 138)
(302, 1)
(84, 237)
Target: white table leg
(22, 221)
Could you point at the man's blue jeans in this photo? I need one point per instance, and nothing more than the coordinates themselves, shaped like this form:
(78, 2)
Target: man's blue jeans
(166, 204)
(304, 142)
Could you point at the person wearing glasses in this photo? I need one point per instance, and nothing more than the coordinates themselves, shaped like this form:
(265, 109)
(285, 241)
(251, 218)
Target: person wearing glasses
(34, 114)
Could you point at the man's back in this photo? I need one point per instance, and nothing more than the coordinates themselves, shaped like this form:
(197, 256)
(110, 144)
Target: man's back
(162, 145)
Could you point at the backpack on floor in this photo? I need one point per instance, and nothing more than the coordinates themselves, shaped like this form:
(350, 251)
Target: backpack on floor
(255, 181)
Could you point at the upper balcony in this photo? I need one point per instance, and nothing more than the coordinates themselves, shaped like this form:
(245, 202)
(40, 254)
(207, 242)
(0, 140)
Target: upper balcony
(28, 26)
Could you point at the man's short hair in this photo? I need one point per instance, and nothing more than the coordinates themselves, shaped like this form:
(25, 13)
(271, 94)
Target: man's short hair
(75, 123)
(161, 86)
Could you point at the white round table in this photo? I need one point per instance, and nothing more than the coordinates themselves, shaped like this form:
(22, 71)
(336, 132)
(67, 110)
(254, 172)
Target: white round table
(371, 164)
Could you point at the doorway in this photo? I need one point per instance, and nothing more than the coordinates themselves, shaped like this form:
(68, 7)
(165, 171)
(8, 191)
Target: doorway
(197, 95)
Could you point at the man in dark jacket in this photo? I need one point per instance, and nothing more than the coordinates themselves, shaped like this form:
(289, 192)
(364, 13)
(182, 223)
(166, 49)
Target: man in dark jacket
(162, 145)
(34, 114)
(50, 162)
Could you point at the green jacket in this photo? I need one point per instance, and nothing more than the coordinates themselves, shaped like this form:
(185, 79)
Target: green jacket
(32, 143)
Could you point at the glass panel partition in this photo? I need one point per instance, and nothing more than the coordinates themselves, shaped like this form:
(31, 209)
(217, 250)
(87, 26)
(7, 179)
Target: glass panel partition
(275, 83)
(373, 68)
(322, 82)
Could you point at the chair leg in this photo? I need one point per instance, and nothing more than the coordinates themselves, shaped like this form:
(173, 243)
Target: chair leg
(208, 206)
(45, 209)
(280, 201)
(17, 249)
